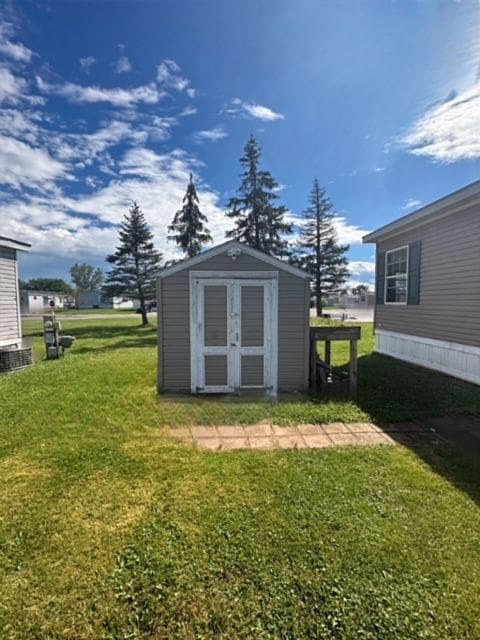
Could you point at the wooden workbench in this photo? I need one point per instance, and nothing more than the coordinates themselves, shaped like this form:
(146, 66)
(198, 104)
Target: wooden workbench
(329, 335)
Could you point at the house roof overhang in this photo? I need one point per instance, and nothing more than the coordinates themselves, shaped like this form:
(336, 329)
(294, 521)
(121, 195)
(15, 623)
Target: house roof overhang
(223, 248)
(10, 243)
(453, 203)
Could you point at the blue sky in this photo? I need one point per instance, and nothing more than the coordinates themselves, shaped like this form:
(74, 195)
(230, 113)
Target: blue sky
(103, 103)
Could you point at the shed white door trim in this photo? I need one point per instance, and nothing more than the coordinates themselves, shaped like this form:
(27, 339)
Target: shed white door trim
(233, 331)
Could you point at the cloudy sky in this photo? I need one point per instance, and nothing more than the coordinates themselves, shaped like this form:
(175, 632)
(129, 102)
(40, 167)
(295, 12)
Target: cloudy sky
(103, 103)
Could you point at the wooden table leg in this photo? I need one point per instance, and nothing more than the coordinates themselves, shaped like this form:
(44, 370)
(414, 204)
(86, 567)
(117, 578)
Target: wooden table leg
(328, 352)
(353, 368)
(313, 364)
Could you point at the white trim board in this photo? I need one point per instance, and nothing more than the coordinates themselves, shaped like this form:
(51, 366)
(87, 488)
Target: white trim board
(455, 359)
(224, 248)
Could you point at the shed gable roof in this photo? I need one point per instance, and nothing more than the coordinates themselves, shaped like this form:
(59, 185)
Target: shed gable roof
(222, 248)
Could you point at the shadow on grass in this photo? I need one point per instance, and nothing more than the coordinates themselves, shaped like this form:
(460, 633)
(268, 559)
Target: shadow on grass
(101, 338)
(392, 391)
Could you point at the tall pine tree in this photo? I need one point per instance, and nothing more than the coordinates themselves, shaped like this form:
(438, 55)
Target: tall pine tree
(136, 262)
(258, 220)
(318, 250)
(188, 225)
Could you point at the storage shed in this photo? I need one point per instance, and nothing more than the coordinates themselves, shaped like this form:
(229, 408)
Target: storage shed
(230, 319)
(10, 325)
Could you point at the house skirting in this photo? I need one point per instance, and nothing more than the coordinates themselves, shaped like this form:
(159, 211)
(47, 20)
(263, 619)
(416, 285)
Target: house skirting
(458, 360)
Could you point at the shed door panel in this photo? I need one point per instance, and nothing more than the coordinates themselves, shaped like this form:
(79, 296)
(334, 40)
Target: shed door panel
(216, 371)
(252, 315)
(252, 373)
(216, 315)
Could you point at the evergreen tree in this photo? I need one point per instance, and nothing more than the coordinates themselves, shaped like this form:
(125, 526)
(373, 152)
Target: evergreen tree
(318, 251)
(188, 225)
(259, 222)
(136, 262)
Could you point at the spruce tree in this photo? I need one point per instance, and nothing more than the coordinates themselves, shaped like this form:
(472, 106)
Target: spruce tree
(258, 220)
(188, 224)
(318, 250)
(136, 262)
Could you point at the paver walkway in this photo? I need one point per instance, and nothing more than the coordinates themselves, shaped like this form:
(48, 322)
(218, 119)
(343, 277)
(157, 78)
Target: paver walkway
(313, 436)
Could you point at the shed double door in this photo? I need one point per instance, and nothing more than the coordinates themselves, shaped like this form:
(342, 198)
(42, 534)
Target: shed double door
(233, 335)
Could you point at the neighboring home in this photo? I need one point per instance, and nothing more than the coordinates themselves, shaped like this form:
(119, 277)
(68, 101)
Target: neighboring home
(366, 299)
(428, 285)
(37, 302)
(95, 300)
(10, 325)
(231, 319)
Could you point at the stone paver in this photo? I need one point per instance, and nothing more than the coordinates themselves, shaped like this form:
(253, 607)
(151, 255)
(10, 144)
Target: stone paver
(295, 441)
(234, 443)
(261, 429)
(204, 432)
(263, 442)
(310, 429)
(317, 441)
(335, 427)
(334, 434)
(209, 443)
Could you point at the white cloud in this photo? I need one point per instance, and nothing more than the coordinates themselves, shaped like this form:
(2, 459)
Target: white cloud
(210, 135)
(411, 203)
(123, 65)
(358, 267)
(168, 74)
(448, 132)
(251, 110)
(14, 50)
(188, 111)
(87, 62)
(12, 88)
(22, 165)
(117, 97)
(348, 233)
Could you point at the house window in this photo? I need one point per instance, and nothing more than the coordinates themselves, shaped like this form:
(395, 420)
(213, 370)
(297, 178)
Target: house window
(396, 276)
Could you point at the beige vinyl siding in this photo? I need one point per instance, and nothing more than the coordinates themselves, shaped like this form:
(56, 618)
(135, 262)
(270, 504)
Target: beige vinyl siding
(174, 316)
(9, 319)
(449, 306)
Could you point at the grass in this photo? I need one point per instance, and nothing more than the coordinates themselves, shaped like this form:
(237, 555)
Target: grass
(110, 530)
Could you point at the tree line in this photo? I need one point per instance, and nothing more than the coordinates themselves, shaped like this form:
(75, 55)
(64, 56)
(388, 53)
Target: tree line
(259, 221)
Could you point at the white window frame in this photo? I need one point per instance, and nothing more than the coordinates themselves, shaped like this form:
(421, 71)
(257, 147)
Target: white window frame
(387, 276)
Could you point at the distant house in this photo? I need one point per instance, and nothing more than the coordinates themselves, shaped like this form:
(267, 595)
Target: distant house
(349, 300)
(36, 302)
(10, 325)
(95, 300)
(428, 285)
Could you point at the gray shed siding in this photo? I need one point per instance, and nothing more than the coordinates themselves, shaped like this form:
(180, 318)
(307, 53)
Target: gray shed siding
(10, 329)
(174, 323)
(449, 307)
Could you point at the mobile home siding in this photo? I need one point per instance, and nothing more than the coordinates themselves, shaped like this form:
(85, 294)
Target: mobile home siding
(10, 329)
(449, 302)
(174, 317)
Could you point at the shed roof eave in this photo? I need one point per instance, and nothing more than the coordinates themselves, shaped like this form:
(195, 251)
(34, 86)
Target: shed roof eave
(445, 206)
(221, 248)
(10, 243)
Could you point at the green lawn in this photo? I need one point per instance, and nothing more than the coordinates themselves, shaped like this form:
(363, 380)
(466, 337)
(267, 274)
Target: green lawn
(110, 530)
